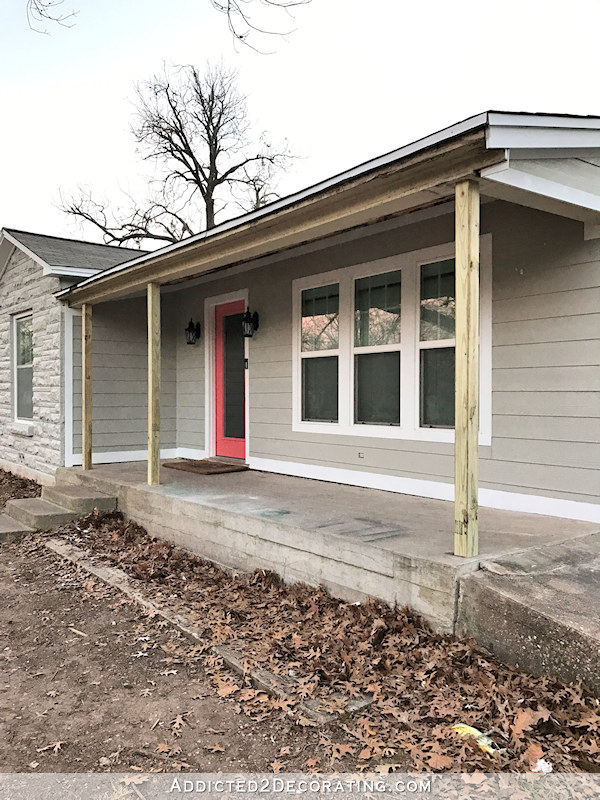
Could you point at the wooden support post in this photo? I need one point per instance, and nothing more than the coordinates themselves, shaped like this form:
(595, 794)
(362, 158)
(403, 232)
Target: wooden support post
(154, 344)
(86, 386)
(466, 467)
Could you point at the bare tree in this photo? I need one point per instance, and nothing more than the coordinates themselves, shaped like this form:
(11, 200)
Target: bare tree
(240, 14)
(39, 12)
(194, 129)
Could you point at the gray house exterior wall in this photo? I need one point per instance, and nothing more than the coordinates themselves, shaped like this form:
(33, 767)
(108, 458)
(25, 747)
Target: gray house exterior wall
(120, 381)
(34, 450)
(545, 362)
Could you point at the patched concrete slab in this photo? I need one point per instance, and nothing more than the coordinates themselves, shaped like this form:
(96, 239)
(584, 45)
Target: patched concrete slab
(356, 542)
(539, 609)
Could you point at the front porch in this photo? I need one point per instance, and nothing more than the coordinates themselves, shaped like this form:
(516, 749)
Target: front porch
(354, 541)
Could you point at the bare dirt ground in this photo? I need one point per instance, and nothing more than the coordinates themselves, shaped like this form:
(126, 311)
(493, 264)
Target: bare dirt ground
(90, 682)
(14, 487)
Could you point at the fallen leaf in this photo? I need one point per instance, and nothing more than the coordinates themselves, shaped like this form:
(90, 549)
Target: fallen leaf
(226, 688)
(214, 748)
(135, 779)
(285, 751)
(341, 750)
(439, 761)
(55, 746)
(533, 753)
(276, 766)
(523, 722)
(177, 724)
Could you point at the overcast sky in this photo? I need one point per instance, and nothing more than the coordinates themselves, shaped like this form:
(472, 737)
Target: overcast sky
(356, 79)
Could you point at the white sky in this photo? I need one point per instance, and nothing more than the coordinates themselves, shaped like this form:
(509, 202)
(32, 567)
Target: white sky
(356, 79)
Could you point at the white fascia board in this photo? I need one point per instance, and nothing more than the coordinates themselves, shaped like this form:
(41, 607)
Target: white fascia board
(506, 118)
(72, 272)
(543, 138)
(526, 182)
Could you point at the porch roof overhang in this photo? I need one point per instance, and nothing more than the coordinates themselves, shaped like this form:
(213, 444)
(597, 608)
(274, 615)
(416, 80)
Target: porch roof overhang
(497, 148)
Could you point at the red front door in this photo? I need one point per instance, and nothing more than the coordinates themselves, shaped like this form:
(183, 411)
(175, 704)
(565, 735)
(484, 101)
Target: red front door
(230, 381)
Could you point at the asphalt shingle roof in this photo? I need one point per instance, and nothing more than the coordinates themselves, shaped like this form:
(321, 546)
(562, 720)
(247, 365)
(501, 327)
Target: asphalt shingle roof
(60, 252)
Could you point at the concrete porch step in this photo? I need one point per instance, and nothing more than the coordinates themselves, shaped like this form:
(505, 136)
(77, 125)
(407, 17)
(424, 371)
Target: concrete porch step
(38, 513)
(80, 499)
(11, 530)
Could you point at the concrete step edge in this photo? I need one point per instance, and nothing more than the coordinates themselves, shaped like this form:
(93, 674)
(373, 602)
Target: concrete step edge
(83, 504)
(38, 513)
(11, 530)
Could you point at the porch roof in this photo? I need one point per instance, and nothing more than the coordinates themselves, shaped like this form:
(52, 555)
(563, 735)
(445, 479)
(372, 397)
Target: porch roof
(547, 161)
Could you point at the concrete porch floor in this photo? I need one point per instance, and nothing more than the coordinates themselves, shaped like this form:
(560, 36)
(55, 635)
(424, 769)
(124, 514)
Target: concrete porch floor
(356, 542)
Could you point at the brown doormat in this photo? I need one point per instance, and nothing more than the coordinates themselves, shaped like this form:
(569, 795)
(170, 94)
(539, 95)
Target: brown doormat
(206, 466)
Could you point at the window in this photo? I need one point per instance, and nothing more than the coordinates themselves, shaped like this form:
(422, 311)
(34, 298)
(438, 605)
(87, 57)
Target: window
(374, 348)
(320, 339)
(23, 338)
(437, 316)
(377, 301)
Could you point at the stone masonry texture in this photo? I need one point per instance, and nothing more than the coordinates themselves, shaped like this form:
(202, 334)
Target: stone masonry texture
(23, 288)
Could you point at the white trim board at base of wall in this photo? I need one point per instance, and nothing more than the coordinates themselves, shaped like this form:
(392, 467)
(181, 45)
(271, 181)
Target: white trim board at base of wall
(121, 456)
(436, 490)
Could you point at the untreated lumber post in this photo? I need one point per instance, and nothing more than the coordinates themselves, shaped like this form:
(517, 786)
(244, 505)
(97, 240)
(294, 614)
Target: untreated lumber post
(154, 344)
(86, 386)
(466, 466)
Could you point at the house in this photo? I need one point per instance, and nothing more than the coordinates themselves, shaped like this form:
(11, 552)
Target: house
(349, 332)
(35, 378)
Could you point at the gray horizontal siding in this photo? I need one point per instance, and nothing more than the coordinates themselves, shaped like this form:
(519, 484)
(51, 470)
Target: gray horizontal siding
(567, 429)
(546, 357)
(562, 329)
(120, 379)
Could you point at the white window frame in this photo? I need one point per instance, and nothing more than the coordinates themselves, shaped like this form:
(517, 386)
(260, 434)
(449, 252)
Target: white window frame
(333, 353)
(410, 345)
(15, 367)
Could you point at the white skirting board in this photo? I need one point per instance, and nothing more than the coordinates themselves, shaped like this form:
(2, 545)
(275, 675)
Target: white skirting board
(437, 490)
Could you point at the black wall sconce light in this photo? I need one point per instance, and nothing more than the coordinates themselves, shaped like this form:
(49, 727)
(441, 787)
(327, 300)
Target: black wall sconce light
(192, 332)
(249, 323)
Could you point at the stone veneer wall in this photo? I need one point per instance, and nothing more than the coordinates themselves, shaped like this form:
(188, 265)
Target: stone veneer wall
(34, 450)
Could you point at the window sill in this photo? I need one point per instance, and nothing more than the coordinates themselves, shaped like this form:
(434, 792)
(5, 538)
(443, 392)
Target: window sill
(390, 432)
(21, 428)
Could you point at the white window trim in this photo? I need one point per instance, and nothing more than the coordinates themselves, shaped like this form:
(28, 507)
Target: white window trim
(409, 427)
(27, 421)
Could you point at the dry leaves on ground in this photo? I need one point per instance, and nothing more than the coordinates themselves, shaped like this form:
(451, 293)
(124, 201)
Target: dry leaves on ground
(422, 683)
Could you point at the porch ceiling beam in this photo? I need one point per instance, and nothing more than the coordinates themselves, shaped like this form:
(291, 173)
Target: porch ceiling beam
(466, 466)
(86, 386)
(154, 346)
(392, 191)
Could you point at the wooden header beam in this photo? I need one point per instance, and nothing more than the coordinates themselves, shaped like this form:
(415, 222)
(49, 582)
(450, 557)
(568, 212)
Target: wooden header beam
(154, 346)
(86, 386)
(466, 464)
(385, 192)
